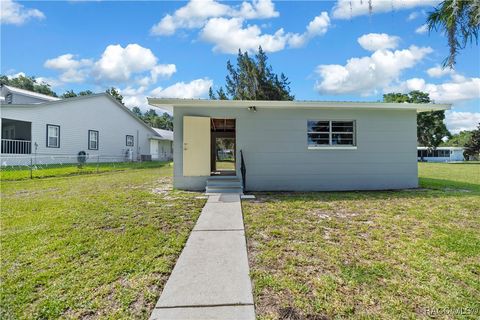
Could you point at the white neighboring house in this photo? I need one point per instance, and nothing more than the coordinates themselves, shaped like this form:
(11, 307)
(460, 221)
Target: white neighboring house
(161, 147)
(45, 129)
(440, 154)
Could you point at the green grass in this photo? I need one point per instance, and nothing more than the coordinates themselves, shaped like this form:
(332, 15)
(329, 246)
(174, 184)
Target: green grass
(60, 170)
(91, 246)
(369, 255)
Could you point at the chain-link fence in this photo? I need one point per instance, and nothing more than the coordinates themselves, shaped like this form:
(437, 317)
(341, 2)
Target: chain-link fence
(18, 167)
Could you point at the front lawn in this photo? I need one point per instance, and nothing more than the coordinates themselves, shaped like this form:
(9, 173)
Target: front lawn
(380, 255)
(69, 169)
(91, 246)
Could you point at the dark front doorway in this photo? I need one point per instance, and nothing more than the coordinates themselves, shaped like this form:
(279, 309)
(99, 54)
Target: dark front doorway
(223, 147)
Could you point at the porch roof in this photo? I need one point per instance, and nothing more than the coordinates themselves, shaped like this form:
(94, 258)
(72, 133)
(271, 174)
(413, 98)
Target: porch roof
(170, 104)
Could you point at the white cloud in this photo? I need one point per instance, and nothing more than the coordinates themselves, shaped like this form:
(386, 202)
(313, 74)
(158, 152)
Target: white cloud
(196, 13)
(346, 9)
(378, 41)
(163, 71)
(134, 97)
(366, 75)
(229, 35)
(118, 63)
(194, 89)
(258, 9)
(438, 71)
(14, 13)
(73, 70)
(422, 29)
(16, 75)
(459, 121)
(412, 16)
(225, 26)
(459, 88)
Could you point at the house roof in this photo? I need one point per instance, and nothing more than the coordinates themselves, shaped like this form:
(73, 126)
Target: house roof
(170, 104)
(442, 148)
(29, 93)
(95, 95)
(163, 134)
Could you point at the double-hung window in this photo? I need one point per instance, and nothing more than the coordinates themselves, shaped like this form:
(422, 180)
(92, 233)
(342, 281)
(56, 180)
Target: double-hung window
(129, 141)
(331, 133)
(53, 136)
(92, 140)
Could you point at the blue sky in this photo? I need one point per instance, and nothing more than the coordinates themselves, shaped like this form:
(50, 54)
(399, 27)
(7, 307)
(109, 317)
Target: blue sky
(328, 49)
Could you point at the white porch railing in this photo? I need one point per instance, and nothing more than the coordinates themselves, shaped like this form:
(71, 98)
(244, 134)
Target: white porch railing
(10, 146)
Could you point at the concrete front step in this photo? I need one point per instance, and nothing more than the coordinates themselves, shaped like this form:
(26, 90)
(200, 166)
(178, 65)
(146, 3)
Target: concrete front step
(224, 185)
(209, 190)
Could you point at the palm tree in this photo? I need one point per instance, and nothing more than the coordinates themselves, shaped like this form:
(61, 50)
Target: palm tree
(460, 20)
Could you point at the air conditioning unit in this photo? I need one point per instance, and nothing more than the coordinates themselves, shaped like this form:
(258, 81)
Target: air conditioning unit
(146, 157)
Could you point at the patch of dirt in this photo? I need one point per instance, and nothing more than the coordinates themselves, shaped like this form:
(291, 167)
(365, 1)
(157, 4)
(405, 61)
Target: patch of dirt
(338, 214)
(290, 313)
(25, 193)
(456, 190)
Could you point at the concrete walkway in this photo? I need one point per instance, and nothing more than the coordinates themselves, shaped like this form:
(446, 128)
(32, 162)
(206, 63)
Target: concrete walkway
(211, 278)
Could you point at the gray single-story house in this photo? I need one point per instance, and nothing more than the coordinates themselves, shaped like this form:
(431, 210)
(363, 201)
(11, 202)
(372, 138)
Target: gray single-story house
(294, 145)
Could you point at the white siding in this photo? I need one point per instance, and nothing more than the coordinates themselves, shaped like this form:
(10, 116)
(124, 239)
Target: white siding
(75, 118)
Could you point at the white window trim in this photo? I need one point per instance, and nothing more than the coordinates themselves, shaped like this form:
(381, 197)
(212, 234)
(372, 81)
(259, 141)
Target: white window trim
(48, 136)
(334, 146)
(97, 135)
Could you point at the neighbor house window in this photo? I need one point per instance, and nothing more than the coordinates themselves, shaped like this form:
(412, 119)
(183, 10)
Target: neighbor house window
(130, 141)
(92, 140)
(328, 133)
(53, 136)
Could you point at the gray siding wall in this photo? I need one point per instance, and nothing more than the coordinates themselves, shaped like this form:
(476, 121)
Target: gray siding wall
(75, 118)
(274, 142)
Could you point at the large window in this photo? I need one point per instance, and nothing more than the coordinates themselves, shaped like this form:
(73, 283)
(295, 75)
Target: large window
(92, 140)
(53, 136)
(327, 133)
(130, 141)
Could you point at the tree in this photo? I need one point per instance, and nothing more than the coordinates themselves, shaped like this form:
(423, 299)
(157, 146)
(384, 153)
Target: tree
(253, 79)
(85, 93)
(28, 83)
(69, 94)
(72, 94)
(458, 140)
(431, 128)
(460, 21)
(151, 118)
(137, 112)
(472, 147)
(115, 93)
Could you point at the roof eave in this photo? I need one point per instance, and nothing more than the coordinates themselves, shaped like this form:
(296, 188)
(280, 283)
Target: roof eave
(170, 104)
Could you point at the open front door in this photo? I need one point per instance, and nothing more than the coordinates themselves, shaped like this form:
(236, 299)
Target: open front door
(196, 146)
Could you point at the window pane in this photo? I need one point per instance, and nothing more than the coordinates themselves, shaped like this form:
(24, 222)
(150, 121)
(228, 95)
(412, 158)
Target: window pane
(342, 138)
(318, 126)
(52, 141)
(52, 131)
(342, 126)
(318, 138)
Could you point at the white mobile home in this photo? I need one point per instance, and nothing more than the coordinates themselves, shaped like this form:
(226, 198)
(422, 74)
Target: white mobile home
(294, 145)
(55, 130)
(440, 154)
